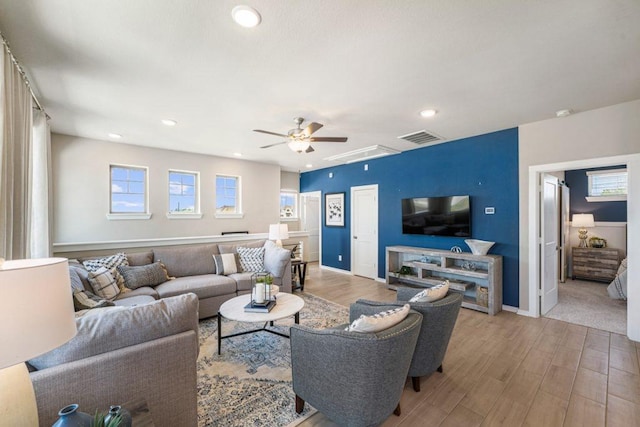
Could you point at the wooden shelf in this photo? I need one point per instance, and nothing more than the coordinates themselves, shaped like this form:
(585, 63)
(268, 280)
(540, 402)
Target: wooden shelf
(465, 272)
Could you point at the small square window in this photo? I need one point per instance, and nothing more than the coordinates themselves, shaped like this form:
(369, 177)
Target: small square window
(228, 196)
(607, 185)
(288, 204)
(183, 192)
(128, 190)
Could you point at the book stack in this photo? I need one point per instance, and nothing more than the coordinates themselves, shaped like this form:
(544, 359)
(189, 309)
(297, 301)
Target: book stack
(259, 307)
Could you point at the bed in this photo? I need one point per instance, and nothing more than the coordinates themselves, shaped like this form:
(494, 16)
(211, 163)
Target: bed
(617, 289)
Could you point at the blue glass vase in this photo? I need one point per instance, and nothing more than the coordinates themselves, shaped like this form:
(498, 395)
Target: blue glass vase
(69, 416)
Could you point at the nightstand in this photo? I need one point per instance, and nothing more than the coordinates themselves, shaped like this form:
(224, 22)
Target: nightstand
(599, 264)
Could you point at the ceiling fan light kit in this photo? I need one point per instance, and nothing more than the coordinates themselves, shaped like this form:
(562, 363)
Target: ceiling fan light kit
(299, 139)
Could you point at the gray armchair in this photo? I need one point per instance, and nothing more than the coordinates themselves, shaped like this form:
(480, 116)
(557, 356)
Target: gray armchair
(355, 379)
(438, 319)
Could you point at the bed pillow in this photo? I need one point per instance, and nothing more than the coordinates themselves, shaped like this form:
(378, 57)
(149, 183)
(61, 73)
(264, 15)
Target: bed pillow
(617, 289)
(379, 321)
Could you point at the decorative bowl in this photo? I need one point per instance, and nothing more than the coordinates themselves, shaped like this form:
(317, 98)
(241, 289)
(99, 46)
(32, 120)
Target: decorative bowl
(479, 247)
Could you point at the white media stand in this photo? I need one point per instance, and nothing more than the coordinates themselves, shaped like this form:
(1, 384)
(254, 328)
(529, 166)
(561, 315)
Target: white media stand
(478, 277)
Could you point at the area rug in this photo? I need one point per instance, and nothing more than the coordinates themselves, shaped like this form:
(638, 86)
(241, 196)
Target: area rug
(250, 383)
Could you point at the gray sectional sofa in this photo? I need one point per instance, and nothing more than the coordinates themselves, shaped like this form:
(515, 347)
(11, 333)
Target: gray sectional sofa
(146, 346)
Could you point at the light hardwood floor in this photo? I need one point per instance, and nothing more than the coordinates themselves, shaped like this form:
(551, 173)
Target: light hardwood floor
(510, 370)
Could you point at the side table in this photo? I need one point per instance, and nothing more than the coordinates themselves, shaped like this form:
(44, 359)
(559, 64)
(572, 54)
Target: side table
(299, 270)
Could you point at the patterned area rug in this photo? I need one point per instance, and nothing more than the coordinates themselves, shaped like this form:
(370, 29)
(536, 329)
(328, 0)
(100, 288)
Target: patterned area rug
(250, 383)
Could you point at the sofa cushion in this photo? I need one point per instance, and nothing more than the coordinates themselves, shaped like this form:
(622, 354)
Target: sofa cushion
(187, 260)
(140, 258)
(119, 327)
(276, 258)
(379, 321)
(145, 290)
(243, 281)
(133, 301)
(103, 283)
(111, 263)
(251, 259)
(204, 286)
(143, 275)
(225, 264)
(232, 249)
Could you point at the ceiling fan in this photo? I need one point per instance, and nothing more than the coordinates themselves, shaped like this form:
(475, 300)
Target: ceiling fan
(299, 139)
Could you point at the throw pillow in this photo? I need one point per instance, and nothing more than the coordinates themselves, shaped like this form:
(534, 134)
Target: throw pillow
(145, 275)
(225, 264)
(103, 283)
(379, 321)
(251, 259)
(111, 263)
(432, 294)
(83, 299)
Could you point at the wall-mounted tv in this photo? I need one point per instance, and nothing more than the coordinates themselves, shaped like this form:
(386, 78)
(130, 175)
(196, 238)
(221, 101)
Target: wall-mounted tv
(437, 216)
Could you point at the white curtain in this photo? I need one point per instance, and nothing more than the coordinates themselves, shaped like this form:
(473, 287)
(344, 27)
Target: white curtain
(24, 169)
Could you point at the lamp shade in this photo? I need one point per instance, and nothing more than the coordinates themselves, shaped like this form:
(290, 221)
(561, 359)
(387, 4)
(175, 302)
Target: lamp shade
(36, 308)
(582, 220)
(278, 231)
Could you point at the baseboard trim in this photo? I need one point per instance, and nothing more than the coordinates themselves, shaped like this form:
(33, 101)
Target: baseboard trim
(335, 270)
(509, 308)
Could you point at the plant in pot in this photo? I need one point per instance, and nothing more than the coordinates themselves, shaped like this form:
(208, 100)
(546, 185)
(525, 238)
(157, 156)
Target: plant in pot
(597, 242)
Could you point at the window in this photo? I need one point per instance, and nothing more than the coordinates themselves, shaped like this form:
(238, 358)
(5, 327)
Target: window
(228, 196)
(184, 194)
(129, 198)
(607, 185)
(288, 204)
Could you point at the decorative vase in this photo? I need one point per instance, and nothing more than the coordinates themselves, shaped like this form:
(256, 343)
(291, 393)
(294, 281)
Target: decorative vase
(69, 416)
(114, 410)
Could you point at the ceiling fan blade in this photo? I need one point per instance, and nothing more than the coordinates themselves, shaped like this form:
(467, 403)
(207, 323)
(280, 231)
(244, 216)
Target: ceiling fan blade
(309, 150)
(313, 126)
(273, 145)
(270, 133)
(329, 139)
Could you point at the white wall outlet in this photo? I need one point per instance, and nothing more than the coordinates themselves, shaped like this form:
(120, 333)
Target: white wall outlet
(339, 257)
(366, 167)
(330, 174)
(489, 210)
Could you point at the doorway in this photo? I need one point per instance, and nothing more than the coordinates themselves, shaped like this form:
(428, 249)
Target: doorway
(364, 231)
(633, 220)
(310, 214)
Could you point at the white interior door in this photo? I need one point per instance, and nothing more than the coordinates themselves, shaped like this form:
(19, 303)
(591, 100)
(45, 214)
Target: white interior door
(310, 222)
(549, 244)
(565, 227)
(364, 231)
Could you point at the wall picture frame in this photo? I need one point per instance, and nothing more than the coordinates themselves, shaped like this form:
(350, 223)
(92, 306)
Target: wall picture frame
(334, 209)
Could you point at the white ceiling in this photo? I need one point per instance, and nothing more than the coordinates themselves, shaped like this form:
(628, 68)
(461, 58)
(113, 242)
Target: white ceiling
(362, 68)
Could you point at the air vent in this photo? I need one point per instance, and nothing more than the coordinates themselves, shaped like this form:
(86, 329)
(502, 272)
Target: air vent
(421, 137)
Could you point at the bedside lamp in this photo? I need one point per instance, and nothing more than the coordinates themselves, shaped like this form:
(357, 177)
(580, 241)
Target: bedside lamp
(278, 232)
(36, 316)
(581, 222)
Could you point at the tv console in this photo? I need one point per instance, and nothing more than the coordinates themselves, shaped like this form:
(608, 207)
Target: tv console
(477, 277)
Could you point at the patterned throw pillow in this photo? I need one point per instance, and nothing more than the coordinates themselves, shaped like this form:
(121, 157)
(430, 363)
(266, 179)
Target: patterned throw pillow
(432, 294)
(251, 259)
(379, 321)
(225, 264)
(103, 283)
(82, 299)
(111, 263)
(144, 275)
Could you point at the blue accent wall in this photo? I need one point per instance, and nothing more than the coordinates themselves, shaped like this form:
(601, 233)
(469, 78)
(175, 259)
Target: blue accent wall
(578, 184)
(484, 167)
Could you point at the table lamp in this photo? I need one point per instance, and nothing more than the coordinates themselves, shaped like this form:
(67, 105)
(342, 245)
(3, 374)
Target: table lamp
(278, 232)
(581, 222)
(36, 316)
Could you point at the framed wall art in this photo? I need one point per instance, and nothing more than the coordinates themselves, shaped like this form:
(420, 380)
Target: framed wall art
(334, 209)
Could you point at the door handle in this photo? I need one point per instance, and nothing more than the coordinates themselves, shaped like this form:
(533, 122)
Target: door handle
(355, 237)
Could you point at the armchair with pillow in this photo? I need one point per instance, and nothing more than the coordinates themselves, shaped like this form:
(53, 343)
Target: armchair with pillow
(438, 320)
(355, 378)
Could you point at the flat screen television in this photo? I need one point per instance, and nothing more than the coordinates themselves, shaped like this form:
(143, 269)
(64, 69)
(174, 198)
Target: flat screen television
(437, 216)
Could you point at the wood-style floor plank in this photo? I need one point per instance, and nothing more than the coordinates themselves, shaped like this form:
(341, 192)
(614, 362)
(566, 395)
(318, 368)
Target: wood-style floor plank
(509, 370)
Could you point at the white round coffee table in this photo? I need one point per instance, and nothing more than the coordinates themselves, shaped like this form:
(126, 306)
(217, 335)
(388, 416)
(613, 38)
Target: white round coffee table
(233, 309)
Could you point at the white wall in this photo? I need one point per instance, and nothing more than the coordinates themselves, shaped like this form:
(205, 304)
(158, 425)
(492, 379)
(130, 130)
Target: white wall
(81, 192)
(583, 137)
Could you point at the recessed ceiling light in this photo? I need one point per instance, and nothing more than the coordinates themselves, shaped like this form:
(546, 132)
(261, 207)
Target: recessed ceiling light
(237, 154)
(246, 16)
(115, 136)
(309, 165)
(169, 122)
(428, 113)
(563, 113)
